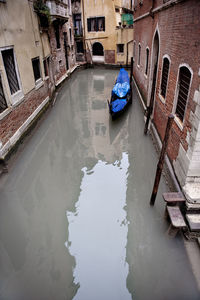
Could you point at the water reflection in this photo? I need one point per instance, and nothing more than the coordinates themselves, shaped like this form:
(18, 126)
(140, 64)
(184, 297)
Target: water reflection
(98, 233)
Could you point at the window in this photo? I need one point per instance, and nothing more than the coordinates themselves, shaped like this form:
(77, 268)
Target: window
(36, 68)
(96, 24)
(165, 74)
(3, 104)
(77, 24)
(46, 66)
(147, 61)
(183, 91)
(57, 34)
(139, 53)
(120, 48)
(10, 68)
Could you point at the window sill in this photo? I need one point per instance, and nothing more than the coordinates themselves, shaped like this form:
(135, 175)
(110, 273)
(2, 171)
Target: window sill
(39, 83)
(17, 98)
(145, 75)
(5, 113)
(162, 99)
(138, 66)
(46, 78)
(178, 122)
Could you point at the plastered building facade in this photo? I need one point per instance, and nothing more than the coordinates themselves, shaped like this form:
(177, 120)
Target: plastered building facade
(31, 64)
(106, 37)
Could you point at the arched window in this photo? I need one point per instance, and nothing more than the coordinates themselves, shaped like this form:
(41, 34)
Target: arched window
(147, 61)
(139, 53)
(165, 75)
(183, 91)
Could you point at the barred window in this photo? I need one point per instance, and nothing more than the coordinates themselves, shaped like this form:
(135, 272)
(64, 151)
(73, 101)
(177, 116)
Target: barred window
(183, 91)
(3, 103)
(147, 61)
(165, 74)
(9, 64)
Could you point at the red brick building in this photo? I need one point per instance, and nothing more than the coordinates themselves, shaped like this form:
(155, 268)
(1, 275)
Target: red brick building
(167, 71)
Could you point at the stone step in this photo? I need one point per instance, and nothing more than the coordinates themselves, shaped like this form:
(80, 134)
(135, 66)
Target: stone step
(193, 221)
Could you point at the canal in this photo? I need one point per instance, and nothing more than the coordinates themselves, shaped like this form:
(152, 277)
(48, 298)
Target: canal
(75, 220)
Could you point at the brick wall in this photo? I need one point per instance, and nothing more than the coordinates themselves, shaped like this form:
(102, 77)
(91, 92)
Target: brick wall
(109, 56)
(179, 30)
(15, 119)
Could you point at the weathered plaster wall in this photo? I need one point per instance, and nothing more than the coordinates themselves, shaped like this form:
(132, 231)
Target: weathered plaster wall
(21, 31)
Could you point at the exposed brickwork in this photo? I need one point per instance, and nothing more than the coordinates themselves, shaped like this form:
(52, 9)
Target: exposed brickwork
(14, 120)
(179, 30)
(109, 56)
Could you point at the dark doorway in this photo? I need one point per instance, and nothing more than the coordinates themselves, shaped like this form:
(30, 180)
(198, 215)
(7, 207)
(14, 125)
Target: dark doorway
(97, 49)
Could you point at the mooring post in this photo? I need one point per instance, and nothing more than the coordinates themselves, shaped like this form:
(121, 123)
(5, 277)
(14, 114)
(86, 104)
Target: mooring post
(161, 159)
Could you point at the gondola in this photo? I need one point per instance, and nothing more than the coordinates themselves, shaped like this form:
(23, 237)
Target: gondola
(121, 95)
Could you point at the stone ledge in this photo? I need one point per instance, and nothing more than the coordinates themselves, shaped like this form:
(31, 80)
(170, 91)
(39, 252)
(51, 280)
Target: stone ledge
(17, 135)
(192, 194)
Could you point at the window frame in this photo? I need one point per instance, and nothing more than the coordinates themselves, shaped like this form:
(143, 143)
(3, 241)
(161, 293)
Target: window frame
(118, 46)
(96, 27)
(38, 82)
(17, 97)
(177, 119)
(162, 98)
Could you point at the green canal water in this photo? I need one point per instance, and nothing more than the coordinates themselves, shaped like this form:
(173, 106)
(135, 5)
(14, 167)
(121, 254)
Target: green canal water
(75, 220)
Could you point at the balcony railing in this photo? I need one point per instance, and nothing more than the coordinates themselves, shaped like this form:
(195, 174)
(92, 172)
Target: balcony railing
(58, 9)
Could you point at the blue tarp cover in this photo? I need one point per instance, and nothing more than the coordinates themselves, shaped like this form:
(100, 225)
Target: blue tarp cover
(122, 86)
(118, 104)
(123, 76)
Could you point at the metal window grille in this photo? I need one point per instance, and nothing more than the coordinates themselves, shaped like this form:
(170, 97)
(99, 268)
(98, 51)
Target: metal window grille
(184, 84)
(36, 68)
(3, 104)
(147, 61)
(165, 73)
(9, 63)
